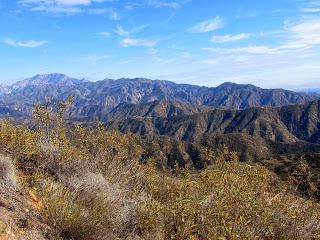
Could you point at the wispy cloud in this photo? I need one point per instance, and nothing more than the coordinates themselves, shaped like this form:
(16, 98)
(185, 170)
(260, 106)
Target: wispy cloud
(229, 38)
(130, 42)
(55, 2)
(98, 11)
(305, 34)
(69, 7)
(185, 55)
(113, 15)
(157, 3)
(105, 34)
(314, 4)
(295, 37)
(166, 3)
(211, 61)
(57, 10)
(311, 7)
(136, 58)
(93, 59)
(152, 51)
(249, 49)
(207, 26)
(310, 10)
(27, 44)
(73, 2)
(296, 45)
(126, 33)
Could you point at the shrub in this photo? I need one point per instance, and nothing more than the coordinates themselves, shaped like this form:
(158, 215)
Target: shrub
(92, 184)
(231, 201)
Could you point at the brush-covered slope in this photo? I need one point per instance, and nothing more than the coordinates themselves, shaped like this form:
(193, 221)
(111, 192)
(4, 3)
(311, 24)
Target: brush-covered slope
(89, 185)
(284, 124)
(150, 109)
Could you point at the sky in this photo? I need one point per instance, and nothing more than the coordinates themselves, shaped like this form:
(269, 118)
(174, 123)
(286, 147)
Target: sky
(271, 44)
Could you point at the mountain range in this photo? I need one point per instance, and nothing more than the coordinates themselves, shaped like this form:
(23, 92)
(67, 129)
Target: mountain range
(99, 98)
(272, 126)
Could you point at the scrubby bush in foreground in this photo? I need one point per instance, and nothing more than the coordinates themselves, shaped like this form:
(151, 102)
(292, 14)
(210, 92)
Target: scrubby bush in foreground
(94, 184)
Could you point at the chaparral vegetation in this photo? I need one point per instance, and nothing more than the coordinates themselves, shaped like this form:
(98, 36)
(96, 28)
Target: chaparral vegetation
(62, 182)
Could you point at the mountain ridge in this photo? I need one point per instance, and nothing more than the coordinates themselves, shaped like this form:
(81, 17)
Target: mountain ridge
(287, 124)
(155, 108)
(94, 98)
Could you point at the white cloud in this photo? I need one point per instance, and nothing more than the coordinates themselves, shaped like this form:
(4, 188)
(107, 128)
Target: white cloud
(93, 59)
(166, 3)
(229, 38)
(185, 55)
(55, 2)
(128, 42)
(157, 3)
(310, 10)
(164, 61)
(152, 51)
(207, 26)
(105, 34)
(69, 7)
(135, 58)
(241, 58)
(73, 2)
(285, 57)
(124, 33)
(57, 10)
(296, 37)
(305, 34)
(100, 11)
(212, 61)
(114, 16)
(249, 49)
(314, 4)
(27, 44)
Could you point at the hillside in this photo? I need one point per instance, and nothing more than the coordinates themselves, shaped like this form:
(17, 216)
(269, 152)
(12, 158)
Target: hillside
(93, 184)
(150, 109)
(284, 124)
(99, 98)
(249, 149)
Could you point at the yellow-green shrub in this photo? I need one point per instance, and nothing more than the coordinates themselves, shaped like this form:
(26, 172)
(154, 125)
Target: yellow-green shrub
(231, 201)
(227, 200)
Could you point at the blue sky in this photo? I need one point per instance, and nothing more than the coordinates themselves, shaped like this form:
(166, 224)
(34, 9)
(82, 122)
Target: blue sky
(271, 44)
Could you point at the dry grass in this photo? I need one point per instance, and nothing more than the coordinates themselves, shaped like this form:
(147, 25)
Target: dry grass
(8, 181)
(18, 220)
(92, 185)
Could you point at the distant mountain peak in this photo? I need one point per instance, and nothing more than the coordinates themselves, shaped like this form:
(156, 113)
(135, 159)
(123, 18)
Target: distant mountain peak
(40, 80)
(236, 85)
(53, 78)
